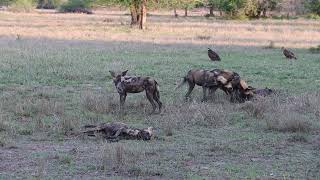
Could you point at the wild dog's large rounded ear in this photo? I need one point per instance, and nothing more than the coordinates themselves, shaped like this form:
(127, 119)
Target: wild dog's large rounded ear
(112, 73)
(124, 73)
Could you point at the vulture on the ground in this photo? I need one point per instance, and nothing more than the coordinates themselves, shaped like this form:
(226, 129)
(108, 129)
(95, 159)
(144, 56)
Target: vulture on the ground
(213, 55)
(288, 53)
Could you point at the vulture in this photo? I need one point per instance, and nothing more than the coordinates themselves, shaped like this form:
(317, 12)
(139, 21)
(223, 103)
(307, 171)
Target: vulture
(288, 53)
(213, 55)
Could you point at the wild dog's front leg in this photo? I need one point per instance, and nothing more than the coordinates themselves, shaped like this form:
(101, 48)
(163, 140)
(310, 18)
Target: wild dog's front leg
(212, 91)
(122, 100)
(234, 96)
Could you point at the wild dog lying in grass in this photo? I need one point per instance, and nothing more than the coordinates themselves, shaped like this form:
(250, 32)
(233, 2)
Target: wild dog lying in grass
(226, 80)
(263, 92)
(136, 84)
(118, 131)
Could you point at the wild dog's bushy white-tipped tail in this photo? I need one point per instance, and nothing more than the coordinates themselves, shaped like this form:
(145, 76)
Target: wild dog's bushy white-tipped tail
(181, 83)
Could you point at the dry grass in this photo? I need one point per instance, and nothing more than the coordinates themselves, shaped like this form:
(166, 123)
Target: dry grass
(99, 103)
(122, 158)
(166, 29)
(293, 114)
(256, 109)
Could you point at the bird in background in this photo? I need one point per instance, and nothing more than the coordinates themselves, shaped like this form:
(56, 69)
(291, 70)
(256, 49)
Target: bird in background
(288, 54)
(213, 55)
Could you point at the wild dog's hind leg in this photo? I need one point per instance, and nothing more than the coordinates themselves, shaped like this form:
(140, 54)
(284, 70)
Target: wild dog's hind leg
(156, 97)
(150, 98)
(191, 86)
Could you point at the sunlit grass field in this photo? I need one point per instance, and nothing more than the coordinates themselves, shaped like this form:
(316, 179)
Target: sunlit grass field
(51, 85)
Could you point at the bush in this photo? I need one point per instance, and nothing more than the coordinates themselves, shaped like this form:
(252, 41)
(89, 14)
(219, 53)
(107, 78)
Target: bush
(48, 4)
(5, 2)
(76, 6)
(315, 49)
(313, 16)
(231, 7)
(22, 6)
(313, 6)
(256, 9)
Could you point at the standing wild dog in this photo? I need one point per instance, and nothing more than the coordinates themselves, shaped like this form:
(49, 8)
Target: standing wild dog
(136, 84)
(225, 80)
(231, 83)
(200, 77)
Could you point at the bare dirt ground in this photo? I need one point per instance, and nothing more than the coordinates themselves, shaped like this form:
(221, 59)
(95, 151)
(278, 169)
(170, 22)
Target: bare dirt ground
(112, 25)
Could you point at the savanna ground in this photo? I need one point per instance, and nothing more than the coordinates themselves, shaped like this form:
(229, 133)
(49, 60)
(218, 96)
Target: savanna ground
(54, 79)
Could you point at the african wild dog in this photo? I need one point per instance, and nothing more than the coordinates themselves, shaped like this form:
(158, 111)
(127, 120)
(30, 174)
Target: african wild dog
(136, 84)
(117, 131)
(200, 77)
(263, 92)
(225, 80)
(231, 83)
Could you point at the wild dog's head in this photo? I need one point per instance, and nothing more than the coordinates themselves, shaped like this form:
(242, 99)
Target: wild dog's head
(146, 134)
(117, 78)
(246, 92)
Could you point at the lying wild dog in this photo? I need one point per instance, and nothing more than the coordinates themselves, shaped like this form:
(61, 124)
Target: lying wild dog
(263, 92)
(200, 77)
(136, 84)
(117, 131)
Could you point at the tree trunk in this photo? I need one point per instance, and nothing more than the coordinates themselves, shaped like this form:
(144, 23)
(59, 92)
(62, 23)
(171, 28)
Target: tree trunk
(175, 12)
(211, 11)
(134, 14)
(264, 12)
(185, 12)
(143, 15)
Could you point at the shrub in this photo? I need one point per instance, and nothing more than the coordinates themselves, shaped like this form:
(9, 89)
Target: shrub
(315, 49)
(22, 6)
(312, 16)
(48, 4)
(293, 114)
(76, 6)
(231, 7)
(313, 6)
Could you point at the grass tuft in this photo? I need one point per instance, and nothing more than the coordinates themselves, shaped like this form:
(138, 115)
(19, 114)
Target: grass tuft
(99, 103)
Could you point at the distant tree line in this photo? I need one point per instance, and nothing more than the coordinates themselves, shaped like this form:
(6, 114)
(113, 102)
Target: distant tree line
(138, 8)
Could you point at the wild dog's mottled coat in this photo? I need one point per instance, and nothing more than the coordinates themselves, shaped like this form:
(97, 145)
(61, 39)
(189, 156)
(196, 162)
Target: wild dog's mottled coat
(226, 80)
(118, 131)
(136, 84)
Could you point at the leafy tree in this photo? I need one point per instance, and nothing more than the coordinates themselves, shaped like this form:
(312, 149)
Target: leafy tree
(264, 5)
(187, 4)
(212, 4)
(48, 4)
(230, 7)
(138, 9)
(6, 2)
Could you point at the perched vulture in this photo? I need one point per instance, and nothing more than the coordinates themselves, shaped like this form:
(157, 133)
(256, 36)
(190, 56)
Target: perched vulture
(288, 53)
(213, 55)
